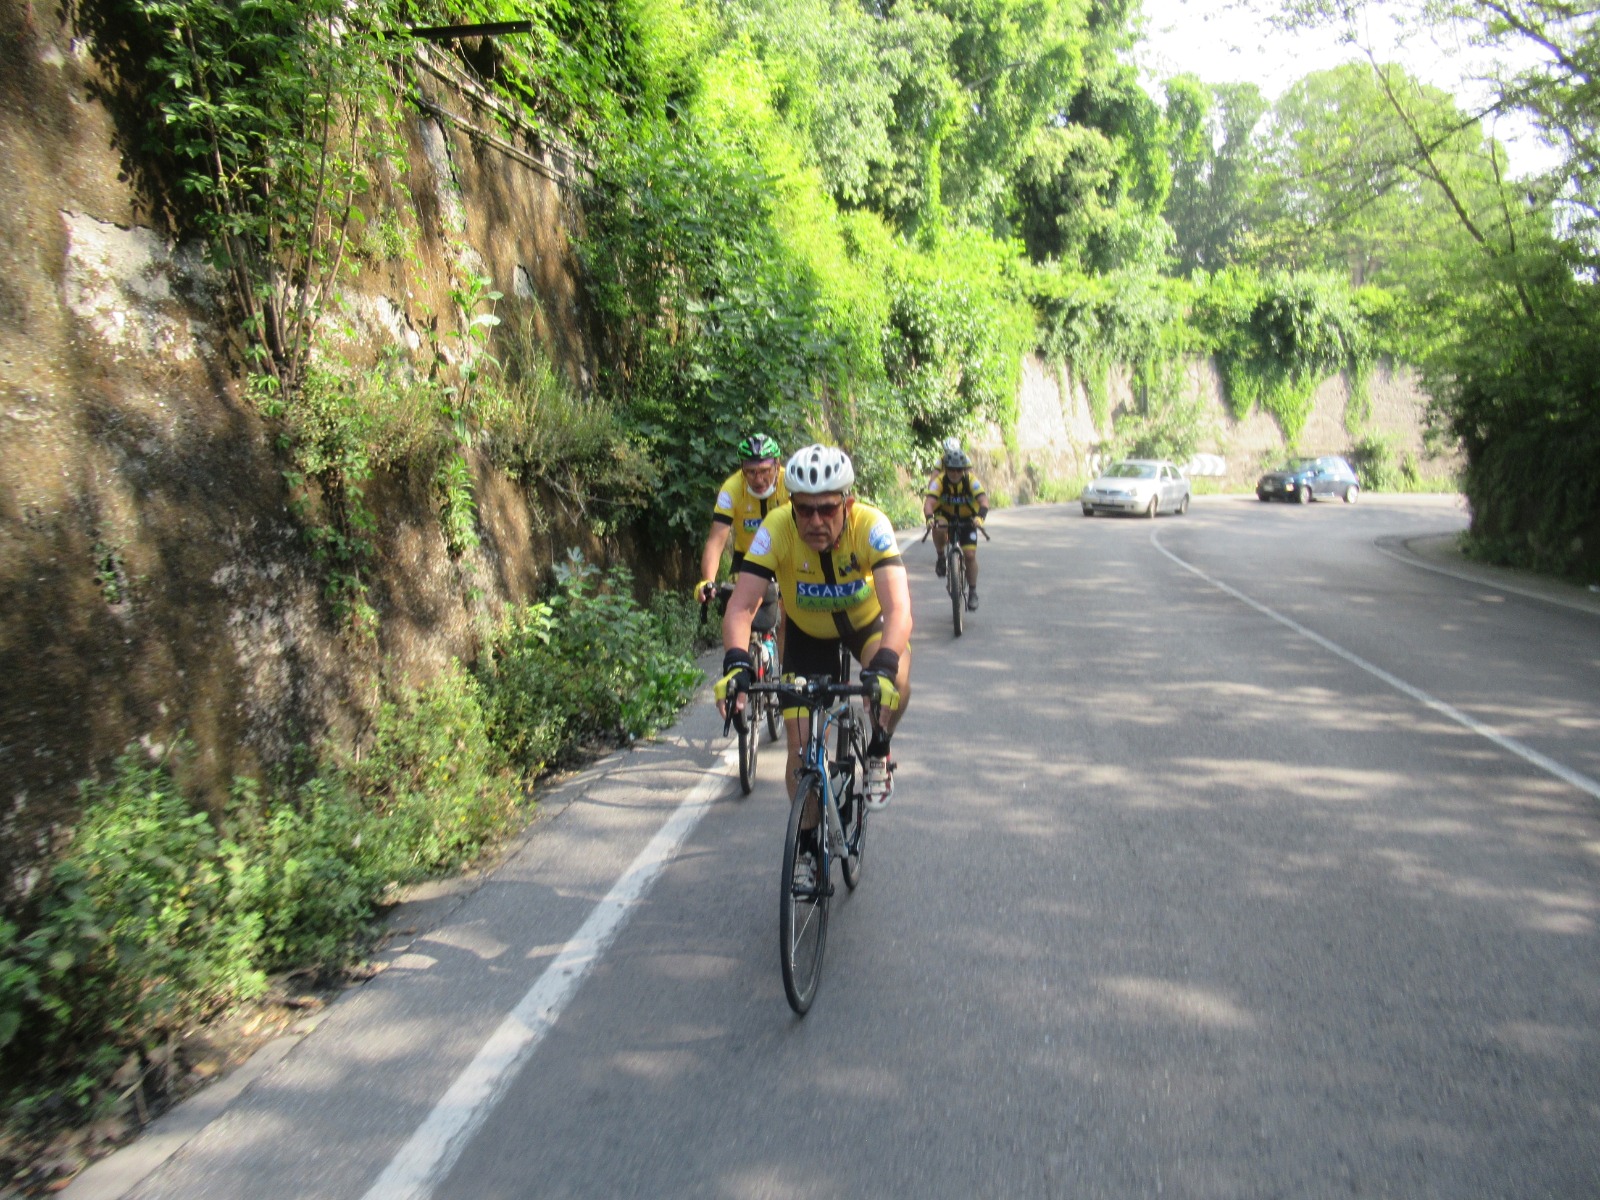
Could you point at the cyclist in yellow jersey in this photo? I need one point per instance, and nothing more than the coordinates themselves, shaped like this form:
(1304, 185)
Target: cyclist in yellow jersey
(743, 502)
(839, 572)
(956, 492)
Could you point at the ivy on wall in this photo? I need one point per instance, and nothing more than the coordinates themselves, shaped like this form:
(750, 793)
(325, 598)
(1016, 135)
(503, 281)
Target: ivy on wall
(1274, 338)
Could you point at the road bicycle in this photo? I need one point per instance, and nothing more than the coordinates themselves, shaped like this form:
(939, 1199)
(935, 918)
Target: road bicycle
(827, 821)
(765, 668)
(955, 565)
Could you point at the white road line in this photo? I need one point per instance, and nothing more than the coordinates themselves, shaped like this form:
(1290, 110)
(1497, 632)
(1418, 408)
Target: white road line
(433, 1149)
(1527, 753)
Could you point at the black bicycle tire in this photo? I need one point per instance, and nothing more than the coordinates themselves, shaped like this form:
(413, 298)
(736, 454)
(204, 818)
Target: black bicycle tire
(749, 747)
(801, 974)
(956, 569)
(774, 709)
(852, 855)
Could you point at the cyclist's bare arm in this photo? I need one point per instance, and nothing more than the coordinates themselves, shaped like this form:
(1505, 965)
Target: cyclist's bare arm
(716, 543)
(748, 592)
(894, 596)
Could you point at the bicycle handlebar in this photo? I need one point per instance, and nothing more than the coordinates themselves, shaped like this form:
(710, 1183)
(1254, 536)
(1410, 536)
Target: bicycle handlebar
(812, 693)
(954, 521)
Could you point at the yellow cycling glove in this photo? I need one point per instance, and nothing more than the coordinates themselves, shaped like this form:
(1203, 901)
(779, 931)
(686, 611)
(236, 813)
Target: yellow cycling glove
(885, 693)
(879, 675)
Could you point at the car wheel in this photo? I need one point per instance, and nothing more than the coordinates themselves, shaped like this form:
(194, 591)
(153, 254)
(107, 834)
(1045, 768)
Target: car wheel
(1303, 495)
(1263, 497)
(1153, 507)
(1350, 494)
(1088, 510)
(1183, 505)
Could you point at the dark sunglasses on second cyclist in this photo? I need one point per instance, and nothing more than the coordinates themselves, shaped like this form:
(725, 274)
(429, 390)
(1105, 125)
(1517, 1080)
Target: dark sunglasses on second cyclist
(809, 512)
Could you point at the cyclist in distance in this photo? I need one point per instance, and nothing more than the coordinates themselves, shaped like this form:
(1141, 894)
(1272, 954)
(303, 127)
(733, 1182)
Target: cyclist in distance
(745, 499)
(842, 581)
(956, 493)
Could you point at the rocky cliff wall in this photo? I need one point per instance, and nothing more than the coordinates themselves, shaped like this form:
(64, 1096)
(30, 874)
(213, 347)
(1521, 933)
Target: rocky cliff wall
(1057, 438)
(152, 578)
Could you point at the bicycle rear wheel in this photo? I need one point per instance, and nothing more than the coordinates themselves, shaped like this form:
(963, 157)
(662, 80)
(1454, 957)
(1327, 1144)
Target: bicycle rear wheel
(803, 899)
(749, 744)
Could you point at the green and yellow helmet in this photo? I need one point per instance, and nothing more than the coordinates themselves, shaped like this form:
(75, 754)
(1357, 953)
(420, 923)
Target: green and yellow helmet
(758, 447)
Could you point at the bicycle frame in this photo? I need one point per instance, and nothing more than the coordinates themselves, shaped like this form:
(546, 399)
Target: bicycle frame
(827, 712)
(815, 758)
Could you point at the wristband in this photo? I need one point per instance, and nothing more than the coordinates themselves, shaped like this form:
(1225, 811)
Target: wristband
(885, 661)
(736, 658)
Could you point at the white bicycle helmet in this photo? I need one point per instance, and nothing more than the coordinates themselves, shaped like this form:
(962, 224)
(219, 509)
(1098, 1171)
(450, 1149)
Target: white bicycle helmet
(819, 468)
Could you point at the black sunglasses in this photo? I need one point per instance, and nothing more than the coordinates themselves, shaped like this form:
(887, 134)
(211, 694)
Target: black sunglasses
(811, 511)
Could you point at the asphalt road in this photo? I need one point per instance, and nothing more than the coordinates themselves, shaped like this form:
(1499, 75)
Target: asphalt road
(1231, 856)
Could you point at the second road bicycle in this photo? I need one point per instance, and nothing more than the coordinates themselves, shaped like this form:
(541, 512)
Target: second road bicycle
(762, 709)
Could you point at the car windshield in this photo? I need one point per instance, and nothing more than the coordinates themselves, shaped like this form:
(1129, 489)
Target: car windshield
(1298, 464)
(1130, 470)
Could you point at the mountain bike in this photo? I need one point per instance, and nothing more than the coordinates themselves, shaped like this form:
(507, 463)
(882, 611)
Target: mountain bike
(955, 565)
(765, 668)
(827, 821)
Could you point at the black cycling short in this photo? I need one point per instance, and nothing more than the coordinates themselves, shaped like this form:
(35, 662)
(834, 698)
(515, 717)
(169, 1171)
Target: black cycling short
(967, 535)
(813, 657)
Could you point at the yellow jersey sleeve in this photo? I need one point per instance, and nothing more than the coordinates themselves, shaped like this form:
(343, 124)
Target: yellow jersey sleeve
(744, 512)
(732, 487)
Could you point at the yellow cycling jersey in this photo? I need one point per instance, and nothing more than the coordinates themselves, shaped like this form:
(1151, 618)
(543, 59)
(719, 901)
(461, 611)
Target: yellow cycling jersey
(738, 508)
(832, 594)
(959, 499)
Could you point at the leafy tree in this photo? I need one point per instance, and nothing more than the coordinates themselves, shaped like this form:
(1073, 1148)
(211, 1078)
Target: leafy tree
(1367, 168)
(1216, 170)
(1511, 308)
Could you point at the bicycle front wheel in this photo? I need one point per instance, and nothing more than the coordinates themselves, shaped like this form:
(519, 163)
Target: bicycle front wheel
(803, 897)
(852, 804)
(749, 743)
(956, 576)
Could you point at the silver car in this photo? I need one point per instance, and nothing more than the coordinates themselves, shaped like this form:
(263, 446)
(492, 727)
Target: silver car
(1146, 486)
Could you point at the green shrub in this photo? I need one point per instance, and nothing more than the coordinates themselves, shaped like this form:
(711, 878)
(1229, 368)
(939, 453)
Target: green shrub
(1373, 457)
(434, 775)
(140, 924)
(1060, 489)
(588, 663)
(313, 865)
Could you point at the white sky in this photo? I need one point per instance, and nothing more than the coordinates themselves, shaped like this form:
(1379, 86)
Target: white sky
(1228, 41)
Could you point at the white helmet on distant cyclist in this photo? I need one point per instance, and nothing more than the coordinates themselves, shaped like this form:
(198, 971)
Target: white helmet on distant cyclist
(819, 468)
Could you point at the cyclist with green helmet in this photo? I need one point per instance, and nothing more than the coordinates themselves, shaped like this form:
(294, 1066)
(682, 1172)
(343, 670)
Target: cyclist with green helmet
(743, 502)
(956, 493)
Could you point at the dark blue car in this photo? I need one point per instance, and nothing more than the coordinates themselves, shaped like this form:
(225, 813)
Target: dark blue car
(1308, 479)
